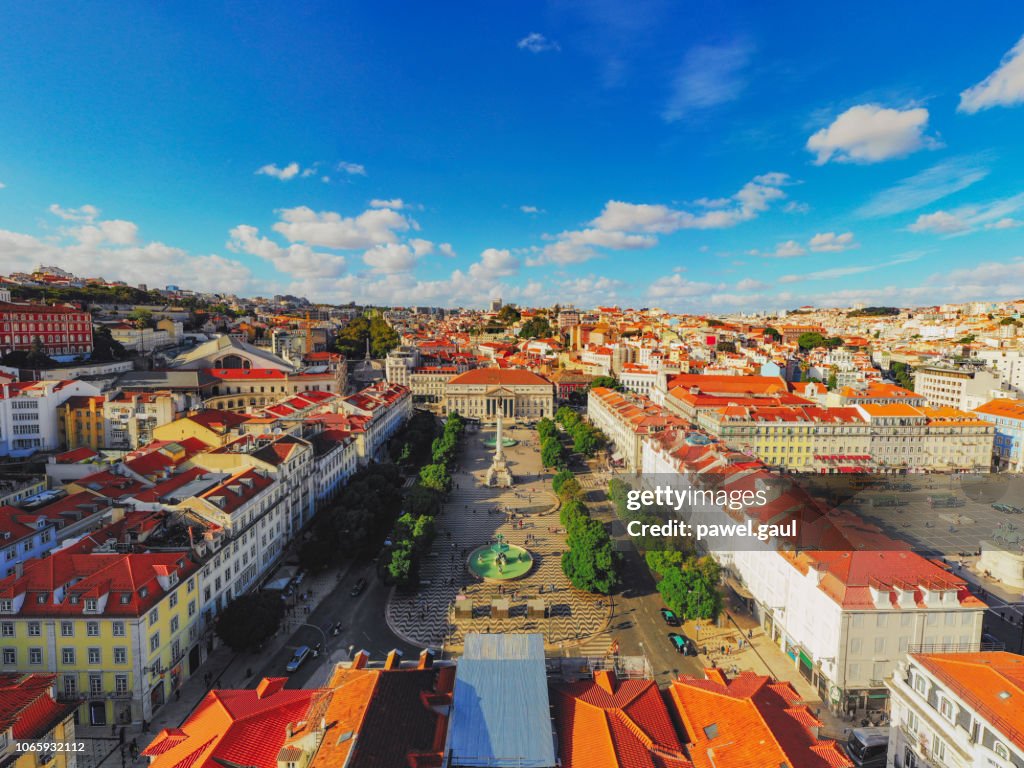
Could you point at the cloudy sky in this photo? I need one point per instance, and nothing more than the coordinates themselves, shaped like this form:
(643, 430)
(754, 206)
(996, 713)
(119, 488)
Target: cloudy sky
(689, 155)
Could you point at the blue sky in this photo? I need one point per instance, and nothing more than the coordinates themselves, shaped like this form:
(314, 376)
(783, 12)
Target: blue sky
(693, 156)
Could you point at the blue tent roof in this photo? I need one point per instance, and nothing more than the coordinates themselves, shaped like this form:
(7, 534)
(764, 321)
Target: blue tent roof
(500, 713)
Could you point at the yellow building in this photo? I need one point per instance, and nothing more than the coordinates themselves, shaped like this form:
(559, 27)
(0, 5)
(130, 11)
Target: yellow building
(213, 427)
(120, 632)
(81, 424)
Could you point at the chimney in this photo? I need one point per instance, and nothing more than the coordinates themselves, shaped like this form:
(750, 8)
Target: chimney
(117, 514)
(445, 682)
(19, 569)
(269, 686)
(394, 660)
(288, 731)
(361, 659)
(426, 659)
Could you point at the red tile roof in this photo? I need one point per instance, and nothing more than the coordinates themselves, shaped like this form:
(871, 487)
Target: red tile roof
(603, 723)
(27, 705)
(749, 721)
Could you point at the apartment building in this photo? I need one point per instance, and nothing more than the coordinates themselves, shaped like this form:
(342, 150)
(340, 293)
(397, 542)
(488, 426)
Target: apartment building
(61, 330)
(80, 422)
(24, 536)
(959, 386)
(1007, 416)
(129, 418)
(942, 439)
(957, 710)
(626, 419)
(801, 438)
(382, 409)
(31, 713)
(29, 418)
(119, 631)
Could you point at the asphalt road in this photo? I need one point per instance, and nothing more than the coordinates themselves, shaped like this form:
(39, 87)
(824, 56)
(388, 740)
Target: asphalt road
(362, 627)
(636, 619)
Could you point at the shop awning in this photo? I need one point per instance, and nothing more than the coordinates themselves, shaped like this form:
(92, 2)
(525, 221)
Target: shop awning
(738, 588)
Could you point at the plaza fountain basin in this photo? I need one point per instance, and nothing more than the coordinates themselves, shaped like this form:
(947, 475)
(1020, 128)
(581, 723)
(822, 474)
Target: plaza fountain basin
(506, 442)
(483, 562)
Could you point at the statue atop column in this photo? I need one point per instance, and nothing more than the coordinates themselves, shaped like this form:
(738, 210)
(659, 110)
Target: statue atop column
(498, 474)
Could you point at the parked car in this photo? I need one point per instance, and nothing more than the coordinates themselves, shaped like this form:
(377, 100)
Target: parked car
(670, 618)
(867, 747)
(300, 655)
(682, 644)
(357, 588)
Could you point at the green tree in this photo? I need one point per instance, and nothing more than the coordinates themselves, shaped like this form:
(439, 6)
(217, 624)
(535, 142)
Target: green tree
(726, 346)
(608, 382)
(401, 567)
(586, 439)
(833, 378)
(546, 428)
(562, 476)
(420, 501)
(591, 562)
(691, 591)
(810, 340)
(662, 561)
(141, 317)
(435, 477)
(570, 511)
(536, 327)
(508, 315)
(771, 333)
(249, 619)
(551, 453)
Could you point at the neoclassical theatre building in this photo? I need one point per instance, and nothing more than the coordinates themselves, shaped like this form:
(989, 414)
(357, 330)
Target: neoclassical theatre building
(486, 393)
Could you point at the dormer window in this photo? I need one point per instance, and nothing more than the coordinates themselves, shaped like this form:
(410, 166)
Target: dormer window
(6, 606)
(92, 605)
(74, 599)
(126, 597)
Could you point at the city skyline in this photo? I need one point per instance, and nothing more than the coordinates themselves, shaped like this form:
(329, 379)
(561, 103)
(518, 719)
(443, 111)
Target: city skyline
(688, 159)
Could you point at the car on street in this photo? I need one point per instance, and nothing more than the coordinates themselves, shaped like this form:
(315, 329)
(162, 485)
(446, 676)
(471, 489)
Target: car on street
(682, 644)
(670, 618)
(357, 588)
(300, 655)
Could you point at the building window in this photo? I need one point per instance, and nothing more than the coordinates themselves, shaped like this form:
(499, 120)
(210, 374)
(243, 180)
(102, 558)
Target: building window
(10, 657)
(35, 655)
(34, 629)
(7, 629)
(118, 627)
(94, 656)
(154, 642)
(92, 628)
(120, 685)
(70, 685)
(96, 685)
(120, 655)
(1001, 751)
(67, 629)
(174, 599)
(154, 615)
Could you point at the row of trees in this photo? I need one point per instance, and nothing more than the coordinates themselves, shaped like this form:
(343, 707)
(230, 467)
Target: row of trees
(552, 452)
(687, 583)
(586, 438)
(590, 562)
(351, 340)
(415, 530)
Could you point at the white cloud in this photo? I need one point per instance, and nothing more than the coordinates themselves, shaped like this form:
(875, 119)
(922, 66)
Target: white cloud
(420, 246)
(830, 242)
(377, 226)
(970, 218)
(677, 286)
(1003, 88)
(494, 262)
(837, 272)
(396, 203)
(530, 209)
(869, 133)
(297, 260)
(574, 246)
(85, 213)
(352, 169)
(749, 284)
(535, 42)
(1006, 223)
(391, 258)
(112, 231)
(708, 76)
(789, 249)
(446, 249)
(941, 222)
(2, 185)
(794, 207)
(921, 189)
(286, 173)
(753, 198)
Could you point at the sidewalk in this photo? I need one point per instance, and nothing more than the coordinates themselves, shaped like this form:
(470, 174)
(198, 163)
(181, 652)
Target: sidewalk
(227, 670)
